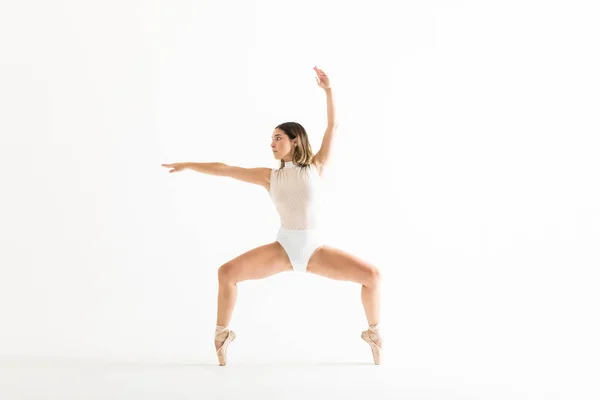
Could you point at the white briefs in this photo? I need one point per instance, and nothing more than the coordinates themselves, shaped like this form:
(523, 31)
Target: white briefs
(299, 245)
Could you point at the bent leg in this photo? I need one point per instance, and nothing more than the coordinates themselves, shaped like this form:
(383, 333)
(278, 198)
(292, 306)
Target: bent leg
(257, 263)
(337, 264)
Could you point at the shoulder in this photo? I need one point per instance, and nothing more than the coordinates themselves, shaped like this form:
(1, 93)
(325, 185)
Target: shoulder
(269, 173)
(263, 172)
(260, 175)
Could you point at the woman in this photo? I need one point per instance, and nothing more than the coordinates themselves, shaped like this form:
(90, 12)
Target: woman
(294, 188)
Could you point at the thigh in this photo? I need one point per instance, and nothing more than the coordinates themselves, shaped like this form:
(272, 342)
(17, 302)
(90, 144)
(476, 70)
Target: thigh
(258, 263)
(337, 264)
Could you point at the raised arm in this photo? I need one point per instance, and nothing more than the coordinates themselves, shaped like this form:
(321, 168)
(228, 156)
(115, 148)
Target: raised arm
(322, 155)
(258, 176)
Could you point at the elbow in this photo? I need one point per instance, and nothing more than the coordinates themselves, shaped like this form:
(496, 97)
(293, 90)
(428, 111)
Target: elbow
(221, 169)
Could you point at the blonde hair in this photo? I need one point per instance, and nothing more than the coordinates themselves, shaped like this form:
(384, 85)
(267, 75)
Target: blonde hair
(303, 154)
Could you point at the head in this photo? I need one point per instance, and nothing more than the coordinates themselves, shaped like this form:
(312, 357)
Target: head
(289, 142)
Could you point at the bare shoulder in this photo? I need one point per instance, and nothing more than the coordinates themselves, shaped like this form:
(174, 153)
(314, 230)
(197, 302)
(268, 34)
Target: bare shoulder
(259, 176)
(263, 176)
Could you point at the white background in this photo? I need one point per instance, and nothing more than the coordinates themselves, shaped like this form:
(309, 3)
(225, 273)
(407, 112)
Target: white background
(465, 167)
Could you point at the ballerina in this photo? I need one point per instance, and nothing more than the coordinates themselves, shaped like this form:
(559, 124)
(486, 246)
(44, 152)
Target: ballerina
(295, 189)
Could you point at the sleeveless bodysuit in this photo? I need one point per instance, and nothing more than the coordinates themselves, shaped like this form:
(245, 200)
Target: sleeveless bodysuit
(296, 192)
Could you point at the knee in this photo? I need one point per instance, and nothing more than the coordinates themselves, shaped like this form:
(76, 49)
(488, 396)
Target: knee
(373, 277)
(227, 273)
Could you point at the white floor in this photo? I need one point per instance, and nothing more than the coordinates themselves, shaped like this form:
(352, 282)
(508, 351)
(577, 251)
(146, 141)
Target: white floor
(255, 379)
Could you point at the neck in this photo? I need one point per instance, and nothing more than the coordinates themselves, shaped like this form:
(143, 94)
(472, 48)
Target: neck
(289, 164)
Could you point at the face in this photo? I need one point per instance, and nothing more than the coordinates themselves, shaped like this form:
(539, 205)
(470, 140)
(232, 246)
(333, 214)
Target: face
(281, 145)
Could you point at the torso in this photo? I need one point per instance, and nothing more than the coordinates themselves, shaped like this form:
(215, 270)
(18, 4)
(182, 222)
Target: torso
(296, 192)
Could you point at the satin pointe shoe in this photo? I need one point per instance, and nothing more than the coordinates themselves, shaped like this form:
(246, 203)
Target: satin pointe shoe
(374, 340)
(226, 337)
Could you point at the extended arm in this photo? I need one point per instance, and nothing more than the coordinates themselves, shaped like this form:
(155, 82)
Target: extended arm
(258, 176)
(323, 154)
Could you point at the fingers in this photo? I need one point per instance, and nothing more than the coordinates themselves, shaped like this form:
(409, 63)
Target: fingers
(173, 166)
(319, 71)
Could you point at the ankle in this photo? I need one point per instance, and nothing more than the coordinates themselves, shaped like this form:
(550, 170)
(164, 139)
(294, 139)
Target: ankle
(220, 329)
(374, 333)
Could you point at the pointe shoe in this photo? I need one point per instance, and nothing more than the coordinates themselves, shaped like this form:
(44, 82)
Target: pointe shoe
(374, 340)
(226, 337)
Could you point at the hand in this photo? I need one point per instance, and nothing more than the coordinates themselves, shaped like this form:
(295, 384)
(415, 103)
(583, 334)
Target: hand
(321, 78)
(176, 167)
